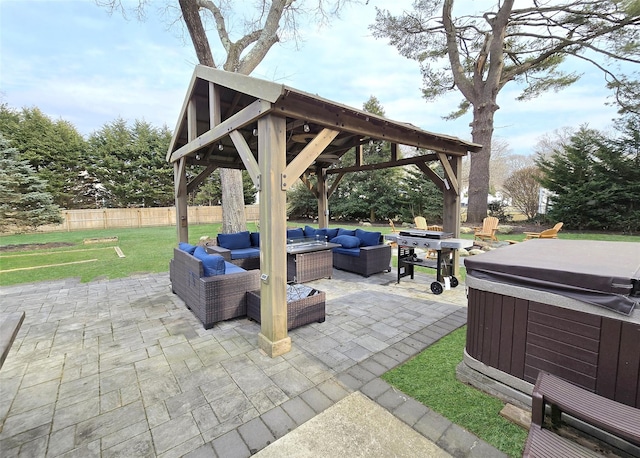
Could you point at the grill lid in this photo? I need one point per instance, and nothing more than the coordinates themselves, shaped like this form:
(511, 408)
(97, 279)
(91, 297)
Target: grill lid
(437, 235)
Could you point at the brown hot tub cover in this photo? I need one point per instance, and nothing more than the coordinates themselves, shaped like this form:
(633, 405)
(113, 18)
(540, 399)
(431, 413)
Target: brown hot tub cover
(606, 274)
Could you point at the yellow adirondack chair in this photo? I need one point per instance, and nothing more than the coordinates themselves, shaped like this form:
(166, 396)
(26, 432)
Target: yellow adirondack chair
(546, 234)
(488, 229)
(421, 222)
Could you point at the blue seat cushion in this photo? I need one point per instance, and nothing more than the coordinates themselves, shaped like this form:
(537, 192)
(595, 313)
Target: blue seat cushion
(232, 268)
(347, 241)
(348, 251)
(346, 232)
(368, 238)
(187, 247)
(255, 239)
(244, 253)
(212, 264)
(296, 233)
(235, 241)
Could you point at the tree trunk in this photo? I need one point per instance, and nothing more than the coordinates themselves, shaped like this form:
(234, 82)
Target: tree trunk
(233, 215)
(191, 16)
(482, 133)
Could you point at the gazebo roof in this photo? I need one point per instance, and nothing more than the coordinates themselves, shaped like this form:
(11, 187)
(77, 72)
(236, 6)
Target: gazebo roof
(244, 99)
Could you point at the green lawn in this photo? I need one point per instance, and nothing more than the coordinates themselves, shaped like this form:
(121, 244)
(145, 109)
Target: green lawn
(430, 378)
(145, 250)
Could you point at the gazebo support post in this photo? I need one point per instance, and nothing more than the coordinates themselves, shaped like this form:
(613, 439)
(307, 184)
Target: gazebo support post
(180, 183)
(451, 216)
(323, 199)
(273, 338)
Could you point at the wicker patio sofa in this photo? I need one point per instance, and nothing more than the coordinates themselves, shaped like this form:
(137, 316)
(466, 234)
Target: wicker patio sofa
(211, 298)
(240, 248)
(362, 252)
(243, 248)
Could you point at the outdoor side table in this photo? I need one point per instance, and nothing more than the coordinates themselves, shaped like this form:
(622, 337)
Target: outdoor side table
(304, 306)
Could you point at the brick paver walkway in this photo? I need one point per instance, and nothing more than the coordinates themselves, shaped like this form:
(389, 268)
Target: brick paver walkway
(123, 368)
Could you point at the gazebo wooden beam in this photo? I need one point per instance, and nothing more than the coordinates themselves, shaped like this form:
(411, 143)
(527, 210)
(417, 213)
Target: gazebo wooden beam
(452, 180)
(433, 176)
(197, 181)
(385, 165)
(246, 116)
(246, 155)
(304, 158)
(377, 129)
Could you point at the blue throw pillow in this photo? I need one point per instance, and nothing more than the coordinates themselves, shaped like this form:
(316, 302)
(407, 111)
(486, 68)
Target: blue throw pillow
(321, 234)
(255, 239)
(331, 233)
(296, 233)
(187, 247)
(346, 232)
(309, 231)
(212, 264)
(368, 238)
(347, 241)
(235, 241)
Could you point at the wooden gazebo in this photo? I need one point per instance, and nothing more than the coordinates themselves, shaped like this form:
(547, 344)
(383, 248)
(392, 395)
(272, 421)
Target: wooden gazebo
(279, 135)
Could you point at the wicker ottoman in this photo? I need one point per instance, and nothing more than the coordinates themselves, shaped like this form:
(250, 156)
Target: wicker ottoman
(300, 311)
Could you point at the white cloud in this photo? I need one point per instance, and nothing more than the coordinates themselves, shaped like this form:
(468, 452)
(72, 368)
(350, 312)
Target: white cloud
(81, 64)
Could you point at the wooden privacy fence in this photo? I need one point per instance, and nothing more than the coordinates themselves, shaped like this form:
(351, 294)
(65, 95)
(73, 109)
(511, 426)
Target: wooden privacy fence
(109, 218)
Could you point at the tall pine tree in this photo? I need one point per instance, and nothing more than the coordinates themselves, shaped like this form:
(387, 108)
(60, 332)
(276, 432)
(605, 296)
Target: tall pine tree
(130, 164)
(24, 201)
(596, 179)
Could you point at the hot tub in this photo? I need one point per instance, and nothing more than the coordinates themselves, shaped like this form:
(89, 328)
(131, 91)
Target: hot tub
(563, 306)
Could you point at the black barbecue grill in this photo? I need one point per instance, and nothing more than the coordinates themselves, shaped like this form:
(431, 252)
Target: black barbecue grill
(442, 243)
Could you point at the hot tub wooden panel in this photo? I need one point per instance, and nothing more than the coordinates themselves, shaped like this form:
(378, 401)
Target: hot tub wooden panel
(628, 377)
(521, 337)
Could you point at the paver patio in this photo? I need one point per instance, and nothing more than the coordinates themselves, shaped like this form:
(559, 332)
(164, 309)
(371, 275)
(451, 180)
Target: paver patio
(123, 368)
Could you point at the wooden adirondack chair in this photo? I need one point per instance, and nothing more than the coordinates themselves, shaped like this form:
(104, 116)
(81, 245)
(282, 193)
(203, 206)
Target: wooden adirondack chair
(488, 229)
(546, 234)
(421, 223)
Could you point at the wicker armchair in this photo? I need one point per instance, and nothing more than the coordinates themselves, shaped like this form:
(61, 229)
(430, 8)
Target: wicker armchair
(211, 299)
(372, 260)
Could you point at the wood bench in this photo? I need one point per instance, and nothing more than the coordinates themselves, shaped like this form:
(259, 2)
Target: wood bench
(618, 419)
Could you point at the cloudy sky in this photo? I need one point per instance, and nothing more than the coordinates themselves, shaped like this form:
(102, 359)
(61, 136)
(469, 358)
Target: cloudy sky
(75, 61)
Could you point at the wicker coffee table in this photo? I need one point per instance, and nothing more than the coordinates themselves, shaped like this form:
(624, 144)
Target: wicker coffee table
(306, 307)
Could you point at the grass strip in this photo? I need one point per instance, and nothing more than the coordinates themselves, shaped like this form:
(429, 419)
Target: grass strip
(8, 256)
(430, 378)
(48, 265)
